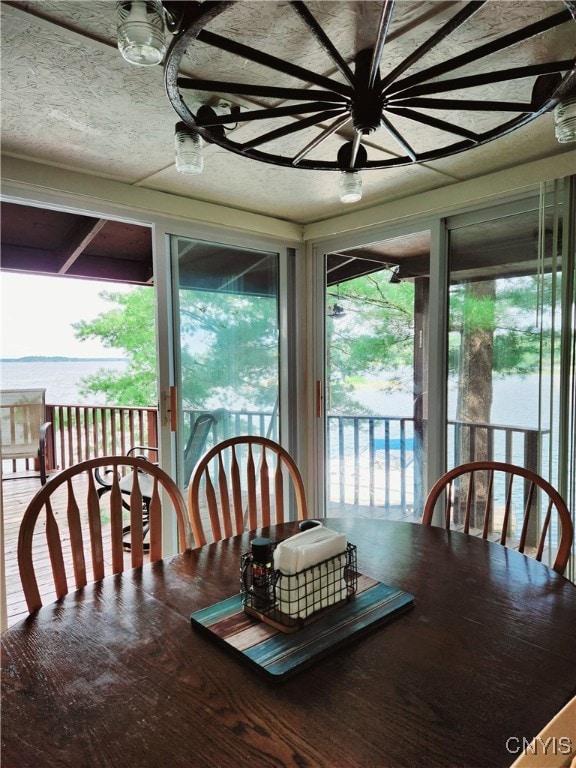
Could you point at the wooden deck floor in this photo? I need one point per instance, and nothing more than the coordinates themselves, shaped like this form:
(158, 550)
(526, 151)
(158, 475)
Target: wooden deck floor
(17, 494)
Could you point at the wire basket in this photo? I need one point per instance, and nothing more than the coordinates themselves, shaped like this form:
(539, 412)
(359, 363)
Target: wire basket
(290, 601)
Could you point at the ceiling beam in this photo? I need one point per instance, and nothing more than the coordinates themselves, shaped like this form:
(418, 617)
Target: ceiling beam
(41, 262)
(20, 258)
(78, 240)
(114, 269)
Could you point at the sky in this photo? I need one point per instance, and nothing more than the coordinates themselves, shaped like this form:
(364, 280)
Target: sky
(37, 313)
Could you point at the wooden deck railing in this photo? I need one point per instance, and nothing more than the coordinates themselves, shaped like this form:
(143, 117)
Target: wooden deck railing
(378, 461)
(82, 432)
(374, 462)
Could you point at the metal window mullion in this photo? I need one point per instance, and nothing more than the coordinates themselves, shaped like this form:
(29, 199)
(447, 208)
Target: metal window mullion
(566, 482)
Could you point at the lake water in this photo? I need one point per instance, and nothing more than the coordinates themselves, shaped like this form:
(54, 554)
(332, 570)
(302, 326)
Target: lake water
(61, 380)
(515, 398)
(514, 402)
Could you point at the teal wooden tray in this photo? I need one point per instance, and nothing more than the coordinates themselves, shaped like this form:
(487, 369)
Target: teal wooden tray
(277, 654)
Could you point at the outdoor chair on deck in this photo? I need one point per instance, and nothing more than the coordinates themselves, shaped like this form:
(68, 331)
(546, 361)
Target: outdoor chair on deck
(68, 511)
(23, 427)
(192, 452)
(240, 485)
(506, 503)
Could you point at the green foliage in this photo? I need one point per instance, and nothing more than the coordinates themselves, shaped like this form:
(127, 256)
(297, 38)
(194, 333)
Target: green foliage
(128, 327)
(511, 317)
(229, 354)
(374, 335)
(229, 349)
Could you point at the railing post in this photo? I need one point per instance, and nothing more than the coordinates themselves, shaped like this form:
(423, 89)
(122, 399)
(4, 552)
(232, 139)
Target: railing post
(152, 427)
(356, 462)
(403, 464)
(341, 468)
(531, 461)
(371, 452)
(50, 439)
(387, 466)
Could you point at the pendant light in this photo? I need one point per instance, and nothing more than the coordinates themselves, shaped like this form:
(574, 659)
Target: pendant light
(141, 38)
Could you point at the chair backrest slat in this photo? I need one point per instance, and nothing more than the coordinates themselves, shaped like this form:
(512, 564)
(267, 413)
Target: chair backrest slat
(236, 492)
(95, 529)
(507, 509)
(527, 517)
(136, 527)
(213, 508)
(251, 487)
(279, 492)
(489, 507)
(545, 526)
(250, 460)
(76, 539)
(83, 522)
(536, 492)
(116, 507)
(264, 489)
(55, 551)
(155, 522)
(469, 495)
(448, 505)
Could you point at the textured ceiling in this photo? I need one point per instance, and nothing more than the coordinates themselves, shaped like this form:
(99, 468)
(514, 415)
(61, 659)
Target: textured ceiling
(69, 99)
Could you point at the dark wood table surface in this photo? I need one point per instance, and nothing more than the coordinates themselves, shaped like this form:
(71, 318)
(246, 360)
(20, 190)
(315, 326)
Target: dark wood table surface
(114, 675)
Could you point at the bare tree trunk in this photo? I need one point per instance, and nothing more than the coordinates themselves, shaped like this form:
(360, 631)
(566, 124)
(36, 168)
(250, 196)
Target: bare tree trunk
(475, 390)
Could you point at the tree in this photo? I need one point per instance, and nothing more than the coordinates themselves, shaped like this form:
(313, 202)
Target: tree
(475, 388)
(508, 310)
(229, 349)
(129, 328)
(496, 330)
(229, 342)
(374, 335)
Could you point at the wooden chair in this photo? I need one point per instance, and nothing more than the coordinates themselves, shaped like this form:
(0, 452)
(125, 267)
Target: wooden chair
(196, 442)
(70, 510)
(23, 427)
(104, 484)
(239, 483)
(192, 452)
(483, 495)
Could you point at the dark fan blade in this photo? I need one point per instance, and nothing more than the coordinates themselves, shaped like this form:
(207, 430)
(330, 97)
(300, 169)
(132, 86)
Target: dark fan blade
(273, 62)
(466, 105)
(265, 91)
(322, 38)
(434, 122)
(267, 114)
(484, 50)
(433, 41)
(470, 81)
(286, 130)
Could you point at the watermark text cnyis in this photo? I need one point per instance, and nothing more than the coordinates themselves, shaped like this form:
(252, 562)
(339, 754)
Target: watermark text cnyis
(550, 745)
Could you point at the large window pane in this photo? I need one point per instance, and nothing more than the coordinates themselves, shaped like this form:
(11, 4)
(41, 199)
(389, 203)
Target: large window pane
(376, 378)
(504, 374)
(228, 344)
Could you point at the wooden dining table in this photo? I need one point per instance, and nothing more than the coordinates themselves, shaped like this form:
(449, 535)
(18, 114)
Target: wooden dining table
(116, 675)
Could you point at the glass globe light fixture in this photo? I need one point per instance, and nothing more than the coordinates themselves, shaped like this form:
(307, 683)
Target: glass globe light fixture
(188, 146)
(141, 38)
(565, 120)
(350, 183)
